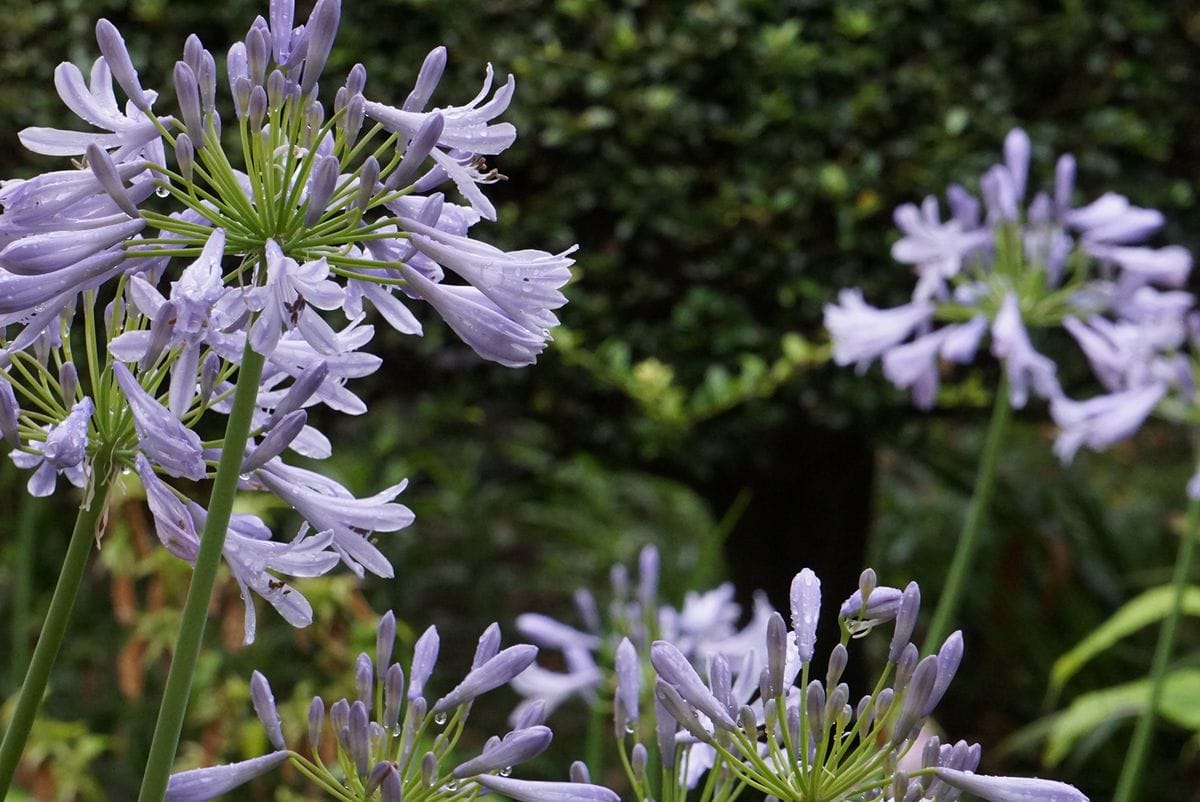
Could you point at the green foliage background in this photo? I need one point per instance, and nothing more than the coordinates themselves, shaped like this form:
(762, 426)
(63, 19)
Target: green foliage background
(725, 167)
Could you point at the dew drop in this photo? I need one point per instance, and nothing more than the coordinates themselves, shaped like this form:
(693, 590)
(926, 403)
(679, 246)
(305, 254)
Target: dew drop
(396, 731)
(629, 728)
(440, 719)
(126, 471)
(452, 785)
(507, 770)
(161, 192)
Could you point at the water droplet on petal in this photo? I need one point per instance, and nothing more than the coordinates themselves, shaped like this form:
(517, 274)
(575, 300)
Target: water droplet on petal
(507, 770)
(452, 785)
(396, 731)
(162, 191)
(440, 719)
(629, 728)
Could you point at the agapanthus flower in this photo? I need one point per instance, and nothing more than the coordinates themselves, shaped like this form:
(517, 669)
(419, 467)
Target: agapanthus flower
(178, 257)
(1008, 265)
(799, 737)
(394, 743)
(322, 197)
(704, 625)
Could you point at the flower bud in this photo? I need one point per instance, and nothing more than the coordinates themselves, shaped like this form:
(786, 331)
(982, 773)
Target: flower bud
(497, 671)
(263, 702)
(517, 747)
(257, 109)
(806, 606)
(418, 150)
(638, 757)
(391, 789)
(112, 46)
(358, 740)
(364, 679)
(368, 177)
(187, 94)
(814, 703)
(316, 717)
(488, 645)
(675, 669)
(906, 620)
(105, 171)
(376, 777)
(948, 658)
(185, 156)
(393, 695)
(628, 677)
(679, 710)
(206, 77)
(321, 28)
(302, 389)
(320, 188)
(915, 697)
(277, 439)
(427, 80)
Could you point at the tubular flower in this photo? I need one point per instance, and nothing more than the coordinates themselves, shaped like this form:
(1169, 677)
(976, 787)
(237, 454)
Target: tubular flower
(392, 744)
(1005, 265)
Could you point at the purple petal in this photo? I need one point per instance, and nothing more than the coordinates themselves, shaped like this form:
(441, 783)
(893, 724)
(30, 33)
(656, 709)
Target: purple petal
(199, 785)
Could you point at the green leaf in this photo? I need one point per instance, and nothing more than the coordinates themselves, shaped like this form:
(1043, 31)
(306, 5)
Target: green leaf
(1180, 705)
(1152, 605)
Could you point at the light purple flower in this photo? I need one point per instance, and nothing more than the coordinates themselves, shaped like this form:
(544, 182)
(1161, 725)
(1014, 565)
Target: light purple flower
(1099, 422)
(1010, 789)
(482, 325)
(329, 507)
(936, 249)
(525, 284)
(161, 436)
(288, 298)
(1025, 367)
(63, 451)
(248, 550)
(862, 333)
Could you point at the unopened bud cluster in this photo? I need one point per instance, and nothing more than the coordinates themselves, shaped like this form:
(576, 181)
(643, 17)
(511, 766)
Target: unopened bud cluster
(393, 744)
(772, 723)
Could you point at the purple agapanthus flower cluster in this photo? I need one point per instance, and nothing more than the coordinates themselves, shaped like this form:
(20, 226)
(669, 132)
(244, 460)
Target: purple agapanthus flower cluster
(392, 743)
(798, 737)
(175, 259)
(1016, 261)
(705, 624)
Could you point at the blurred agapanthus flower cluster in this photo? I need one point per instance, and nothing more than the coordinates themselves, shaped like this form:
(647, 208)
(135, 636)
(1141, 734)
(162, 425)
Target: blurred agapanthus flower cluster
(1010, 264)
(182, 255)
(800, 738)
(392, 744)
(706, 624)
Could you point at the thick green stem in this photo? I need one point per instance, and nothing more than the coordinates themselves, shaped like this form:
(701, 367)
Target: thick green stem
(968, 541)
(195, 610)
(22, 593)
(1143, 731)
(53, 630)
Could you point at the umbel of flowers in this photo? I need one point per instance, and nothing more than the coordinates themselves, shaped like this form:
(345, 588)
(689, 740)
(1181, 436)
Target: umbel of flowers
(136, 282)
(1016, 261)
(393, 744)
(799, 735)
(704, 625)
